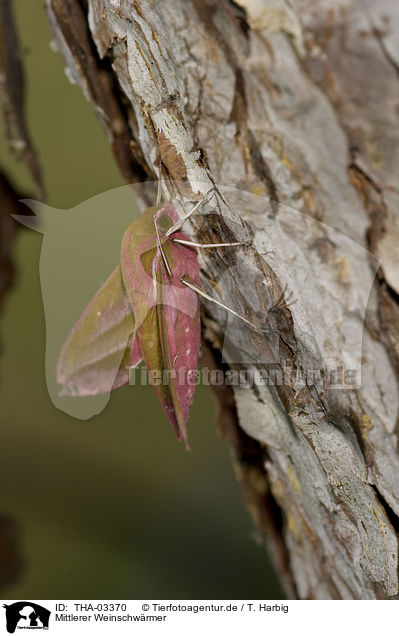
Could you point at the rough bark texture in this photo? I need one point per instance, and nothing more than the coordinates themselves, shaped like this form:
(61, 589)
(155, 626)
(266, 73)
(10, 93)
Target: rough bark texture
(296, 101)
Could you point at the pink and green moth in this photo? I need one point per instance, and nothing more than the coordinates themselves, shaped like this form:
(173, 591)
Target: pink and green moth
(148, 309)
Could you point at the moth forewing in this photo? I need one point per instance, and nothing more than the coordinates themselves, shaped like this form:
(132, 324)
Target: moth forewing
(95, 355)
(181, 329)
(166, 312)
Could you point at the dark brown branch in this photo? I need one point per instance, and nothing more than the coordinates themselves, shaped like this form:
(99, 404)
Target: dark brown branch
(12, 95)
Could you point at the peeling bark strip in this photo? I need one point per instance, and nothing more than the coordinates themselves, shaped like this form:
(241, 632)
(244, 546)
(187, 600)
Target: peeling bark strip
(291, 111)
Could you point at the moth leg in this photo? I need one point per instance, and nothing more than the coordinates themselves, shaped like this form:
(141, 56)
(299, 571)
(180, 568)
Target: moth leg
(201, 292)
(289, 299)
(285, 298)
(208, 245)
(267, 252)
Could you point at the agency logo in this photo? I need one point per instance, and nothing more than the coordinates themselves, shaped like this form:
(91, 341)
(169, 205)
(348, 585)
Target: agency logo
(26, 615)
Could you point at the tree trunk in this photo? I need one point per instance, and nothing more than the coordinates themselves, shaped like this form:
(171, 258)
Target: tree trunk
(292, 105)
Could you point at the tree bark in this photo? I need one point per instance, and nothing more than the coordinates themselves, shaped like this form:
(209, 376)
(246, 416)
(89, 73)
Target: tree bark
(294, 104)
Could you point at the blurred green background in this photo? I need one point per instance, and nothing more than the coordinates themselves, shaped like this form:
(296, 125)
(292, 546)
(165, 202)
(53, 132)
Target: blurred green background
(112, 507)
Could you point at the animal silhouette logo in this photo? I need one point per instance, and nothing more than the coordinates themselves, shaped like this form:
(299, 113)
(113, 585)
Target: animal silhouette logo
(26, 615)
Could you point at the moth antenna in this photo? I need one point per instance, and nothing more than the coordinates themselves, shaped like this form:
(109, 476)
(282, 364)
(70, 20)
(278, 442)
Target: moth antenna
(217, 192)
(217, 302)
(207, 197)
(186, 216)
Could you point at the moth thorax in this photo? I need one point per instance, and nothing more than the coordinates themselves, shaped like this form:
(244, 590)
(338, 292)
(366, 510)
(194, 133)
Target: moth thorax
(164, 223)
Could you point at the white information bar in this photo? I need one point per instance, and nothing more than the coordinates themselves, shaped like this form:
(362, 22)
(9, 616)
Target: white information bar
(177, 617)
